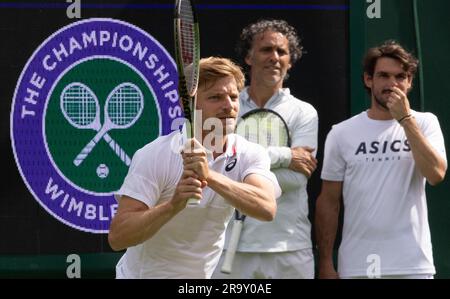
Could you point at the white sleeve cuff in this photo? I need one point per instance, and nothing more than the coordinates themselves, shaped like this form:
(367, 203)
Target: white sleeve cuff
(279, 156)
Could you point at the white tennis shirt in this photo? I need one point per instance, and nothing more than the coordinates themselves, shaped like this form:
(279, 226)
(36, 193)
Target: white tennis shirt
(291, 228)
(190, 244)
(385, 207)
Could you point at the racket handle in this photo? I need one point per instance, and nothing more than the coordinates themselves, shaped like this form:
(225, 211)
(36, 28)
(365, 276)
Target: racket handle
(232, 246)
(193, 202)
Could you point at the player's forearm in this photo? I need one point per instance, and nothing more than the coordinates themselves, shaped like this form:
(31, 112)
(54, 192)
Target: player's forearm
(327, 213)
(132, 228)
(251, 200)
(429, 162)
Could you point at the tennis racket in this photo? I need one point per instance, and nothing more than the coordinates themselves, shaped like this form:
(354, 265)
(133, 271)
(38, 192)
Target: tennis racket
(267, 128)
(238, 222)
(187, 54)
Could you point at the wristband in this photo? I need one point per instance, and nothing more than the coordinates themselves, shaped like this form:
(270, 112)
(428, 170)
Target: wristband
(403, 118)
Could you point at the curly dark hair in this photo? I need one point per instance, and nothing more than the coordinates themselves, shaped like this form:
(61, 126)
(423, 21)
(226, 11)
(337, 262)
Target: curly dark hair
(390, 49)
(245, 42)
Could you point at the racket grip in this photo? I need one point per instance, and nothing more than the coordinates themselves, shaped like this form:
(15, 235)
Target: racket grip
(232, 247)
(193, 202)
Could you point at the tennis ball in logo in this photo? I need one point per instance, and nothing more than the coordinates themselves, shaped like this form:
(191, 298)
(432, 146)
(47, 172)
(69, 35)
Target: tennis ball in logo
(102, 171)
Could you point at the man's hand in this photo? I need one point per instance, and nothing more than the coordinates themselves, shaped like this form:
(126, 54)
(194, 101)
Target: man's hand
(398, 104)
(195, 160)
(303, 160)
(188, 187)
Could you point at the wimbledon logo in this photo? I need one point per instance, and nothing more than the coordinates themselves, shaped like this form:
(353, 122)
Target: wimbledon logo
(91, 95)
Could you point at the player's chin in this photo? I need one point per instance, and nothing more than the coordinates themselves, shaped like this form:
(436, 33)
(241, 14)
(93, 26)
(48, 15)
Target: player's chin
(273, 79)
(228, 129)
(228, 122)
(382, 101)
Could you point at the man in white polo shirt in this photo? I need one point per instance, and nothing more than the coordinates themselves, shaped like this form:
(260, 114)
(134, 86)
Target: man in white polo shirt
(281, 248)
(164, 237)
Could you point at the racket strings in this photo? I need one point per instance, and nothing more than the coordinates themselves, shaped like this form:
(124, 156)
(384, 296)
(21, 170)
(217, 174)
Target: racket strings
(80, 105)
(189, 45)
(124, 105)
(187, 32)
(265, 129)
(188, 52)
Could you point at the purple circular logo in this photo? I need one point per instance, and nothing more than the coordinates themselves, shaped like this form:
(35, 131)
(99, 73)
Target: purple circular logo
(90, 95)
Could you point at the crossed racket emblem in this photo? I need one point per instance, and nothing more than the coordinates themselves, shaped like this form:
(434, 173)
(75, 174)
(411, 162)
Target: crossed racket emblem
(123, 107)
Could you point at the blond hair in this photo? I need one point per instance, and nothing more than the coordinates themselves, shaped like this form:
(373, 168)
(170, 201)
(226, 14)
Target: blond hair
(214, 68)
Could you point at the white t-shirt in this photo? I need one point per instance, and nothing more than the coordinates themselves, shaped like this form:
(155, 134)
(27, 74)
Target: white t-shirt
(189, 245)
(385, 208)
(291, 228)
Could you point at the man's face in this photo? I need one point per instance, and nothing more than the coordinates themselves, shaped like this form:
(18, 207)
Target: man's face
(388, 73)
(269, 59)
(219, 103)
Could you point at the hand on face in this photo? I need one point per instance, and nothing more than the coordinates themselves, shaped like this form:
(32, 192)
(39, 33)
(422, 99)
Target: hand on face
(398, 104)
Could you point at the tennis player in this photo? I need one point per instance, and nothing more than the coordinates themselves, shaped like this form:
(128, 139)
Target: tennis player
(163, 237)
(283, 247)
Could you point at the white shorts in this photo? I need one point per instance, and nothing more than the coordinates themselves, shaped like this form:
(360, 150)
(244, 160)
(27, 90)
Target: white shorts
(269, 265)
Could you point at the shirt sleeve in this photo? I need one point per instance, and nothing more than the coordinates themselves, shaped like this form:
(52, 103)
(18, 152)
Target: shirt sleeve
(334, 164)
(257, 161)
(433, 133)
(141, 182)
(289, 179)
(304, 132)
(306, 129)
(280, 157)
